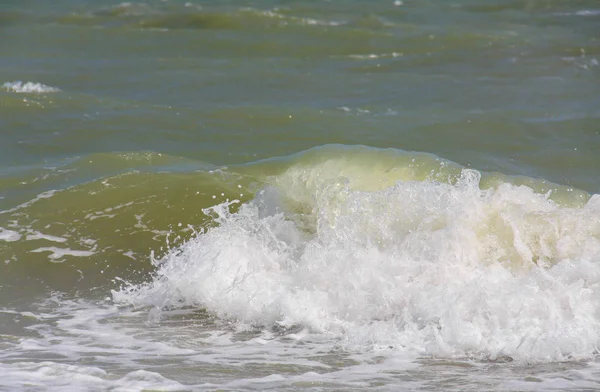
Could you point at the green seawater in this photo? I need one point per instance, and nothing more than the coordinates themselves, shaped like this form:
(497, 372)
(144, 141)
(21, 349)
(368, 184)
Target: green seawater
(122, 123)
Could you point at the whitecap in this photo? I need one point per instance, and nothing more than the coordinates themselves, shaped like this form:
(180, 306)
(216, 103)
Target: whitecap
(29, 87)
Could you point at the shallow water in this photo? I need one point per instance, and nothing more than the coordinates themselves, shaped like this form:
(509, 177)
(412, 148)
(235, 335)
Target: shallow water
(307, 195)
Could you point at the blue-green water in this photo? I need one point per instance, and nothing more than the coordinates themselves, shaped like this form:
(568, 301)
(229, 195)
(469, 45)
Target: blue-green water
(289, 195)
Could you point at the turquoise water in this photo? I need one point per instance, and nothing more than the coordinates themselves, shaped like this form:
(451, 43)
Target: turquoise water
(320, 195)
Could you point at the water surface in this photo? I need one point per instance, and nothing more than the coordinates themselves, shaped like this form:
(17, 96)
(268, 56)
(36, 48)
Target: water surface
(300, 195)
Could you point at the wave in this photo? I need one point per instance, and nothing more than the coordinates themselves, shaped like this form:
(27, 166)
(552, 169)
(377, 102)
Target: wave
(390, 248)
(189, 16)
(148, 198)
(29, 87)
(524, 5)
(580, 13)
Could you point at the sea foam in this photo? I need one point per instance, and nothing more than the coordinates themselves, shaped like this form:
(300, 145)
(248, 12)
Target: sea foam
(9, 235)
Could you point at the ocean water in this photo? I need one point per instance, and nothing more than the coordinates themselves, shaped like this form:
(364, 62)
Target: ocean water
(300, 195)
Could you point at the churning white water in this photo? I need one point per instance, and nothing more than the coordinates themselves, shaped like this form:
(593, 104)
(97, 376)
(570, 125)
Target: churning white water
(421, 267)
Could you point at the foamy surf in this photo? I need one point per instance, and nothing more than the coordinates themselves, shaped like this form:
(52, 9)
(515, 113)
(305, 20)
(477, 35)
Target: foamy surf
(53, 376)
(424, 267)
(29, 87)
(9, 235)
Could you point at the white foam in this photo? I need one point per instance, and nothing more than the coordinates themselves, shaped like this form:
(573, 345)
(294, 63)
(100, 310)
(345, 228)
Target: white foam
(424, 267)
(111, 339)
(41, 196)
(57, 254)
(581, 13)
(102, 347)
(373, 56)
(53, 376)
(294, 20)
(9, 235)
(36, 235)
(29, 87)
(587, 13)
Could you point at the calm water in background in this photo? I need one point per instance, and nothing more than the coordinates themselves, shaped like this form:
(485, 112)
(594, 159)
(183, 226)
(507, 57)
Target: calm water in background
(300, 195)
